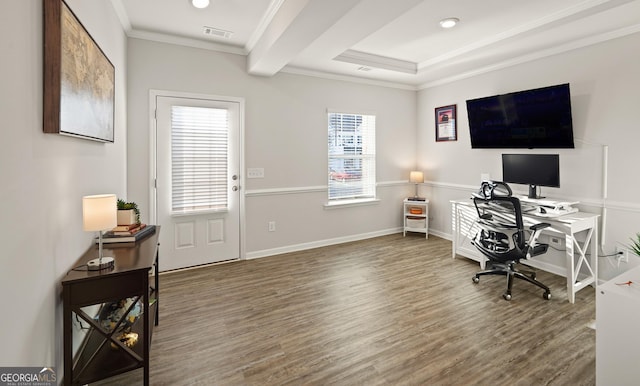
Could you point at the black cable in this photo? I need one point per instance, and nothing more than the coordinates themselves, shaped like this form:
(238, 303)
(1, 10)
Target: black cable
(587, 253)
(612, 255)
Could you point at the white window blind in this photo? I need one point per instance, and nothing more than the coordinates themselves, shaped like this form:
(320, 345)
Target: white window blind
(352, 156)
(199, 146)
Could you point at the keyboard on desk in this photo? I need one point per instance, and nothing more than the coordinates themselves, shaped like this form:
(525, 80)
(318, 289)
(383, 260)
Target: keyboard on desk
(546, 208)
(550, 212)
(546, 202)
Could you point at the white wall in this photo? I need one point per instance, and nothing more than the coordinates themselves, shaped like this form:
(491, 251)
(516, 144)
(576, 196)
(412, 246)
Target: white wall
(44, 177)
(604, 80)
(286, 134)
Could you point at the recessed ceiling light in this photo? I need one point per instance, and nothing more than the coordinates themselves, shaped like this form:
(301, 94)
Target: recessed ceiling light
(449, 22)
(200, 3)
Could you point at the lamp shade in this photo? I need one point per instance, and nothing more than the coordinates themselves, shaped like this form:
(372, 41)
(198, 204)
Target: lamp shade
(416, 177)
(99, 212)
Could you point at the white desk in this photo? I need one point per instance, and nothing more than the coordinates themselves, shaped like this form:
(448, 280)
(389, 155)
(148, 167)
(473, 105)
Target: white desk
(464, 228)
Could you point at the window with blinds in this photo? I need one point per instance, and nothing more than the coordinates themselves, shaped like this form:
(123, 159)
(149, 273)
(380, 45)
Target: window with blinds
(352, 156)
(199, 147)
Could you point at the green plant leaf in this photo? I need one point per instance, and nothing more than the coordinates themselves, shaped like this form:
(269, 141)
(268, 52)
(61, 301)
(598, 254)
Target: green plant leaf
(635, 244)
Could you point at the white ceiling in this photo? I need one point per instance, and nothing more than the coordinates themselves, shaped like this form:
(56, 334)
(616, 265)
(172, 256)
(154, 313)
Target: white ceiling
(397, 42)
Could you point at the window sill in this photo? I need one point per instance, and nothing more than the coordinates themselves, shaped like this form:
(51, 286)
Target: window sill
(349, 203)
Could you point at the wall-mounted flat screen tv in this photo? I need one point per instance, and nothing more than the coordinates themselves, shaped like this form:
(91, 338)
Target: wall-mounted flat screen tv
(537, 118)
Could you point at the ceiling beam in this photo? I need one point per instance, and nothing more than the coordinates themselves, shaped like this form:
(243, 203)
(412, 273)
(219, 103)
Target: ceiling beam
(366, 18)
(294, 27)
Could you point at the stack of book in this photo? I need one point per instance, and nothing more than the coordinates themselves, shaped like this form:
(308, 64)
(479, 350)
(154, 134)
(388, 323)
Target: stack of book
(127, 233)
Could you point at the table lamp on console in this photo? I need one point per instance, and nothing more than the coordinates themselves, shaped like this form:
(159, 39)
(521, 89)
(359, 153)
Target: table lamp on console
(416, 177)
(99, 214)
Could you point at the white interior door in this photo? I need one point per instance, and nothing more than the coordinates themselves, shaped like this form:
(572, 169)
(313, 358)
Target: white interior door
(197, 180)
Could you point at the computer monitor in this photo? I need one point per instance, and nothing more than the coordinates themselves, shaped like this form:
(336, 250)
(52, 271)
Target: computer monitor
(532, 169)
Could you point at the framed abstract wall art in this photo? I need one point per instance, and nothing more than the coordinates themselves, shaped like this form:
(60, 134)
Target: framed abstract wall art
(79, 79)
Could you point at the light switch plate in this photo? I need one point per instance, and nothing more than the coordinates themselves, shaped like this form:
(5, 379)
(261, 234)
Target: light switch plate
(255, 173)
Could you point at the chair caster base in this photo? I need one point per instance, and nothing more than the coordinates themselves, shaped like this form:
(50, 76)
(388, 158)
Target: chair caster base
(546, 295)
(506, 296)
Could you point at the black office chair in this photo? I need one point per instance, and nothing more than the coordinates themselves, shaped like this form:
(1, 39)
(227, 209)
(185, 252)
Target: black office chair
(501, 237)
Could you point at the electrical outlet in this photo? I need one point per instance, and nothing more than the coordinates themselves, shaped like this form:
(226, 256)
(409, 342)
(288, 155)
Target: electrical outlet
(556, 241)
(272, 226)
(622, 254)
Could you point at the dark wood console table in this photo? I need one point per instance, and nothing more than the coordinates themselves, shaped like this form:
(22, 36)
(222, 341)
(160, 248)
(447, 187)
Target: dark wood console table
(104, 310)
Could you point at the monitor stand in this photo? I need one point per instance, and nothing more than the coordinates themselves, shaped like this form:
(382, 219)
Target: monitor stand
(533, 192)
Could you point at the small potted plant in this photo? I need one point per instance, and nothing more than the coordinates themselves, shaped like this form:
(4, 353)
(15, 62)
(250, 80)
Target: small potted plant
(128, 213)
(635, 244)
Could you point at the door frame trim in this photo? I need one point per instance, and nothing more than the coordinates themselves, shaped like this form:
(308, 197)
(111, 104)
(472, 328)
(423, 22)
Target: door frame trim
(153, 148)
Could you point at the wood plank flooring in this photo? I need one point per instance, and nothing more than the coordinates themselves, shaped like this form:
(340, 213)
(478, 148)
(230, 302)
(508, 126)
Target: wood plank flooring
(386, 311)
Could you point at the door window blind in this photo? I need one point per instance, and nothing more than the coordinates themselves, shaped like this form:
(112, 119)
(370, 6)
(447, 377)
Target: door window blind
(199, 147)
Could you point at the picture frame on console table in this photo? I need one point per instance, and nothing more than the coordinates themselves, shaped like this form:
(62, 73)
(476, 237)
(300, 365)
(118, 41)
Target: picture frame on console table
(79, 79)
(446, 123)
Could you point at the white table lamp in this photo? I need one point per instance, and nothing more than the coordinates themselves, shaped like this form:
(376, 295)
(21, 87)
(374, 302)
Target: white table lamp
(416, 177)
(99, 213)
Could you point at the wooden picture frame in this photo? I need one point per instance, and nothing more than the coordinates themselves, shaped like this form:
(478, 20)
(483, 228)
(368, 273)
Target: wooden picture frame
(79, 79)
(446, 123)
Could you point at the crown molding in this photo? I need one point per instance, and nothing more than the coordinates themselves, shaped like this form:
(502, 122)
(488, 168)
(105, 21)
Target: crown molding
(268, 16)
(122, 15)
(347, 78)
(574, 45)
(187, 42)
(377, 61)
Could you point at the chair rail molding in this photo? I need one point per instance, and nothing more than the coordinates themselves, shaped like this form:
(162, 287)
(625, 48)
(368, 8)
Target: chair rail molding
(309, 189)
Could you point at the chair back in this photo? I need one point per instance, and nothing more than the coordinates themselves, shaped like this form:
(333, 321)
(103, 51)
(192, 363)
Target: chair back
(500, 218)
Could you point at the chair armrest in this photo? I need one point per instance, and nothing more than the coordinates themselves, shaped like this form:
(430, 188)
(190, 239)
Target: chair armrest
(537, 227)
(533, 248)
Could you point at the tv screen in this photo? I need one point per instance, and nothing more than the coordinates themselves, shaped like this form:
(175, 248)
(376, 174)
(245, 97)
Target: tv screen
(537, 118)
(532, 169)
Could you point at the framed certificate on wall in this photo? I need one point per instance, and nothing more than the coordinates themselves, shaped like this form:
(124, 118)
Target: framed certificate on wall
(446, 128)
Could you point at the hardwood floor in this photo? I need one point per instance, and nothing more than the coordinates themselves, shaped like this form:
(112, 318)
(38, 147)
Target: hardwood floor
(386, 311)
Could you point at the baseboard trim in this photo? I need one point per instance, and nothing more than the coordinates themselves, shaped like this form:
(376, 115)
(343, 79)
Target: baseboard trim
(319, 243)
(334, 241)
(442, 235)
(547, 267)
(534, 263)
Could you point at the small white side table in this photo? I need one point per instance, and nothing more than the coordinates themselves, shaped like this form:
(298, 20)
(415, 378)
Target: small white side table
(415, 216)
